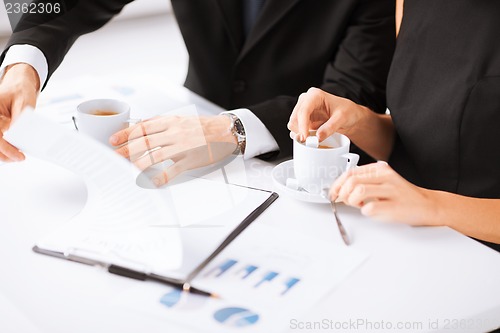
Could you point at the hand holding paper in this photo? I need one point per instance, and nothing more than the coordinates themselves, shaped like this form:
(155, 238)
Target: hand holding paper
(117, 211)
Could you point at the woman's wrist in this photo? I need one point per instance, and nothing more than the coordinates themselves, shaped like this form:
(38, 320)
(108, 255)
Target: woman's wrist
(360, 120)
(438, 208)
(372, 132)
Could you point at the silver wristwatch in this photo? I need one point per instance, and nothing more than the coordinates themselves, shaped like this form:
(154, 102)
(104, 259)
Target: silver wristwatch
(238, 131)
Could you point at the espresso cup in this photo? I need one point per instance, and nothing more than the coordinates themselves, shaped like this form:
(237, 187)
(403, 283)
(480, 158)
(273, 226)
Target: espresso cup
(318, 164)
(101, 118)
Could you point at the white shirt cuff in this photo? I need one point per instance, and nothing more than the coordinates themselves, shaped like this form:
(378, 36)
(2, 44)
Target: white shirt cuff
(258, 138)
(27, 54)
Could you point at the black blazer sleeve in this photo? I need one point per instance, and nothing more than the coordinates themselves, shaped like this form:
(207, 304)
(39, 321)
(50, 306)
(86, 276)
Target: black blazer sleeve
(54, 34)
(358, 71)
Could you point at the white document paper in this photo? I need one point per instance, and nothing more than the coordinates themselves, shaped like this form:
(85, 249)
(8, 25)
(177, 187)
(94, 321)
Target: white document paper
(166, 231)
(114, 225)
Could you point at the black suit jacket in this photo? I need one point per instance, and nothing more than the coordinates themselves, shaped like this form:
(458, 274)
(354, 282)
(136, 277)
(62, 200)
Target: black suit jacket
(343, 46)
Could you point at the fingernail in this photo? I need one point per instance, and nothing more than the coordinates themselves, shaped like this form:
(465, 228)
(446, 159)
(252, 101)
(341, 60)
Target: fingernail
(113, 140)
(157, 182)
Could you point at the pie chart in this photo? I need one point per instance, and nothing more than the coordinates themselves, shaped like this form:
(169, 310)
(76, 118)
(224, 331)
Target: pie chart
(236, 317)
(177, 299)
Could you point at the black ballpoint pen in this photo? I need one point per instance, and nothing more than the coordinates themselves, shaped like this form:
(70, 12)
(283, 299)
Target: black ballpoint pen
(132, 274)
(184, 286)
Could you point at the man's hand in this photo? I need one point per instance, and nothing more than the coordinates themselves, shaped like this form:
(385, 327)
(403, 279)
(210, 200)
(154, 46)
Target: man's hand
(18, 89)
(190, 142)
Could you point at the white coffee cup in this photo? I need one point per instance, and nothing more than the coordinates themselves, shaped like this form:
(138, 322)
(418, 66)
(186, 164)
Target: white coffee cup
(102, 127)
(316, 168)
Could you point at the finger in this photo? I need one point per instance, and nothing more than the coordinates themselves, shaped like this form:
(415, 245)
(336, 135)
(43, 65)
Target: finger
(374, 173)
(338, 183)
(143, 144)
(4, 158)
(378, 169)
(148, 127)
(9, 151)
(330, 127)
(352, 182)
(150, 159)
(168, 174)
(4, 123)
(293, 121)
(312, 101)
(364, 193)
(380, 210)
(18, 106)
(158, 156)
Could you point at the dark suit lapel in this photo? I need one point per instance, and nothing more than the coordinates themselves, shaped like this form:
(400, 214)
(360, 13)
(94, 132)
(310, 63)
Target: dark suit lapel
(232, 13)
(272, 13)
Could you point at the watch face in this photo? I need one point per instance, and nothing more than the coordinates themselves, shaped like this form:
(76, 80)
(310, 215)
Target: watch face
(238, 126)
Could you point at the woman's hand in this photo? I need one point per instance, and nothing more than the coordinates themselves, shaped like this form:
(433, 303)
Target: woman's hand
(327, 114)
(189, 141)
(18, 89)
(383, 194)
(324, 112)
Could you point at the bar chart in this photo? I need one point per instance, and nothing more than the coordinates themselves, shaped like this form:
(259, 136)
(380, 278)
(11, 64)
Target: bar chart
(252, 276)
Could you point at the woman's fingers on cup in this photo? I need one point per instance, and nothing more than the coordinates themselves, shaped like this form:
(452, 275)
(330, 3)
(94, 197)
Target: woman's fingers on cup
(293, 124)
(331, 126)
(310, 103)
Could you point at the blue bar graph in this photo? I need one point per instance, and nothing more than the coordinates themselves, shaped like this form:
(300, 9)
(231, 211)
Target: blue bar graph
(267, 278)
(246, 271)
(222, 268)
(289, 284)
(240, 274)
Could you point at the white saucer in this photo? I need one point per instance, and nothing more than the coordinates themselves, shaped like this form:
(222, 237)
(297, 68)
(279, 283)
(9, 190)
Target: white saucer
(281, 173)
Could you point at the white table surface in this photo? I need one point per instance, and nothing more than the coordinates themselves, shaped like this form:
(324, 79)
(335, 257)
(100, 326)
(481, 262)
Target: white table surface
(413, 275)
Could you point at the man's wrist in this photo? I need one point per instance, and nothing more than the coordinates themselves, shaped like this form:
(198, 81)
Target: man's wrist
(25, 71)
(237, 131)
(226, 133)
